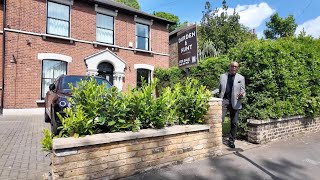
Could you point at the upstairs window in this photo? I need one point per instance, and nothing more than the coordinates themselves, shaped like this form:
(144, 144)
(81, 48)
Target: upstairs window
(105, 29)
(58, 19)
(51, 69)
(142, 36)
(143, 75)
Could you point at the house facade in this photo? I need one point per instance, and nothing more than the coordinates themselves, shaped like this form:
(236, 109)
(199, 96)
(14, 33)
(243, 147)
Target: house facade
(42, 39)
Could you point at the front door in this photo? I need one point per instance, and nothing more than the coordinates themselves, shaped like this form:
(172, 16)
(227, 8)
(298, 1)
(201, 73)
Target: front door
(106, 70)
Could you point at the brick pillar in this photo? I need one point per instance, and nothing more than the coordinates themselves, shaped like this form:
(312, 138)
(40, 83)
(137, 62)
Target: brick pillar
(214, 120)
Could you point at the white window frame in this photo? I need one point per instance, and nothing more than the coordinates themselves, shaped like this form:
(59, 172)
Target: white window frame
(107, 12)
(113, 37)
(52, 56)
(144, 66)
(68, 3)
(148, 23)
(42, 78)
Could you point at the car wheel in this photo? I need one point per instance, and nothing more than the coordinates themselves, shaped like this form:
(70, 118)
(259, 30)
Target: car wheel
(46, 117)
(54, 126)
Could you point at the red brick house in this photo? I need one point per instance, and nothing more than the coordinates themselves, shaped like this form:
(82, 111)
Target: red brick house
(42, 39)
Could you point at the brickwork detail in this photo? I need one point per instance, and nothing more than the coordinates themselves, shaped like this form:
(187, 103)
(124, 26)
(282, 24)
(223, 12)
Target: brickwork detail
(265, 131)
(124, 158)
(23, 69)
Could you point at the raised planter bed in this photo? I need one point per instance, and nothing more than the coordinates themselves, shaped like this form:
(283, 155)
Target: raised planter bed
(116, 155)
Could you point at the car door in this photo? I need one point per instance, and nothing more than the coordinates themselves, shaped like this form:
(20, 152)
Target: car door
(50, 96)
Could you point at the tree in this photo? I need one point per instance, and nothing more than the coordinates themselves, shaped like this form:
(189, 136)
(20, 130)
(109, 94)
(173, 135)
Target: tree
(170, 17)
(278, 27)
(131, 3)
(223, 30)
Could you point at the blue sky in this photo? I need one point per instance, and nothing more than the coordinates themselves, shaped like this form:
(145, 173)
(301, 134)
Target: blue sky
(253, 13)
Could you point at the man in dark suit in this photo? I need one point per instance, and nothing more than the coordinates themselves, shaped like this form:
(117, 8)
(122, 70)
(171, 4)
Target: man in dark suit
(232, 89)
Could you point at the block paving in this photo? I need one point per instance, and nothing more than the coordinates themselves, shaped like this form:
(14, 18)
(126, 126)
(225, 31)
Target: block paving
(21, 156)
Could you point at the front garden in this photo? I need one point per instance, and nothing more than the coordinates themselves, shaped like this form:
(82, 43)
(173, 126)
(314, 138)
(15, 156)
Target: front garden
(95, 109)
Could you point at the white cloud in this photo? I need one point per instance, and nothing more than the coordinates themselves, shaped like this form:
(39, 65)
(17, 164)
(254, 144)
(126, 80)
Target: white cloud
(252, 16)
(311, 27)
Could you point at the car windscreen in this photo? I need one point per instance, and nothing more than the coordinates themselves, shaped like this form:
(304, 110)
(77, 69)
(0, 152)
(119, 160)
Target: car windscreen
(75, 79)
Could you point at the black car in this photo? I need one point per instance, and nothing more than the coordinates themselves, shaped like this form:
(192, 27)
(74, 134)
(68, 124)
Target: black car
(56, 98)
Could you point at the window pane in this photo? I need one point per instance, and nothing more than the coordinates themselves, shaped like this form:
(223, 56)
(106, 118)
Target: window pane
(143, 75)
(45, 86)
(142, 30)
(104, 35)
(58, 27)
(51, 69)
(104, 21)
(58, 11)
(142, 43)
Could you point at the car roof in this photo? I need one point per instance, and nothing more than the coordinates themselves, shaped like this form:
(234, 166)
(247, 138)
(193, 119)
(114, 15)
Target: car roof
(84, 76)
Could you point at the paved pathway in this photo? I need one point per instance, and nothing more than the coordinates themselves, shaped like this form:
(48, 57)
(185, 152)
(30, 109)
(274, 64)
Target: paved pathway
(295, 158)
(20, 149)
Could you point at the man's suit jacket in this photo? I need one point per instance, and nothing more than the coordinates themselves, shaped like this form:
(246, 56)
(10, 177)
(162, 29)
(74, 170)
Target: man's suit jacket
(238, 87)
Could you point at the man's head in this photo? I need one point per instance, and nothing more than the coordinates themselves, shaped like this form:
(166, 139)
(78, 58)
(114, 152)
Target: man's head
(233, 67)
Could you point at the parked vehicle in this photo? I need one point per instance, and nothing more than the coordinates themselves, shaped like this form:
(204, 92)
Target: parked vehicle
(56, 98)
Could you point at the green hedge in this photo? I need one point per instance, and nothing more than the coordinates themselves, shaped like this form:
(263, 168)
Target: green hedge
(282, 77)
(95, 109)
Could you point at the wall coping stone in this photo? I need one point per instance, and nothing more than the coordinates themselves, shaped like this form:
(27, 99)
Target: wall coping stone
(104, 138)
(267, 121)
(214, 99)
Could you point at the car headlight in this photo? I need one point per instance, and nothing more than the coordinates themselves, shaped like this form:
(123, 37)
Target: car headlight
(63, 103)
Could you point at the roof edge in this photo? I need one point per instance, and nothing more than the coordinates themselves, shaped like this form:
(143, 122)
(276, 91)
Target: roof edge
(121, 6)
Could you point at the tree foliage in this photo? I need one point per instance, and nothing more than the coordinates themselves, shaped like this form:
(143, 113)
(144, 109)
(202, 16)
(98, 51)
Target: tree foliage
(280, 27)
(131, 3)
(222, 29)
(170, 17)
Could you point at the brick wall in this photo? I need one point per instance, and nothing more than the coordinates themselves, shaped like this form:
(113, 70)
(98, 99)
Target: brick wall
(173, 51)
(1, 37)
(23, 75)
(265, 131)
(122, 154)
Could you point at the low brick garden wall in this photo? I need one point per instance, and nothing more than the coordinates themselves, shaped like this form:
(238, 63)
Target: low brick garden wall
(261, 131)
(116, 155)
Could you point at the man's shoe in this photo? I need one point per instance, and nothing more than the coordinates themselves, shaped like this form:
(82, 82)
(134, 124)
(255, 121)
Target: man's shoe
(231, 145)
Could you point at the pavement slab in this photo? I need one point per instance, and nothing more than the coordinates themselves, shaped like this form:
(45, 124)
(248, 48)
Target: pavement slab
(293, 158)
(20, 149)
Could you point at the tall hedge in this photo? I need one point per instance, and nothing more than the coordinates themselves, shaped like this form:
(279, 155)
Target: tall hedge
(282, 76)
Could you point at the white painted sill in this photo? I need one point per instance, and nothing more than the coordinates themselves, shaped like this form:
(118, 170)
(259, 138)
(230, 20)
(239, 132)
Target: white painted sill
(96, 44)
(39, 101)
(44, 36)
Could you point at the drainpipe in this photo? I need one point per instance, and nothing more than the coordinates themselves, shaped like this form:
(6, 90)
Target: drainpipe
(3, 53)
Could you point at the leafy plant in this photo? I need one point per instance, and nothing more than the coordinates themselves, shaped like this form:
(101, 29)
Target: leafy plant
(193, 99)
(282, 77)
(46, 142)
(86, 102)
(96, 109)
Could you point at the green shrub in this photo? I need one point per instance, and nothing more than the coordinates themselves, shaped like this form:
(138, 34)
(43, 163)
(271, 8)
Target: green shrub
(193, 101)
(86, 102)
(96, 109)
(282, 77)
(207, 73)
(46, 142)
